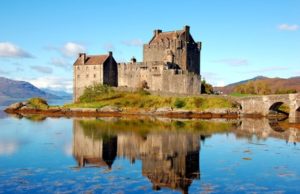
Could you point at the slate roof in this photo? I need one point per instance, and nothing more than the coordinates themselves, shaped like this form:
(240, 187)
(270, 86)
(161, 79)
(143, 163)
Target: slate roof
(92, 60)
(167, 36)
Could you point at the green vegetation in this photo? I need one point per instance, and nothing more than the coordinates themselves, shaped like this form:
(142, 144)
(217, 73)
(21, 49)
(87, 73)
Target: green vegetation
(98, 96)
(38, 103)
(285, 91)
(284, 108)
(206, 88)
(253, 87)
(235, 94)
(260, 87)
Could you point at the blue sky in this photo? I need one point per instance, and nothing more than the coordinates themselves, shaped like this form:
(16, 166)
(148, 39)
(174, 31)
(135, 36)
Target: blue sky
(39, 40)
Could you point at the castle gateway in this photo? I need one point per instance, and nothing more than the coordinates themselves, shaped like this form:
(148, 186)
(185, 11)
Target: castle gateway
(171, 64)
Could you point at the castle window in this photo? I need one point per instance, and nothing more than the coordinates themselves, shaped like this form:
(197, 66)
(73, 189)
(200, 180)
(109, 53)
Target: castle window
(87, 68)
(94, 67)
(87, 75)
(78, 67)
(94, 75)
(78, 76)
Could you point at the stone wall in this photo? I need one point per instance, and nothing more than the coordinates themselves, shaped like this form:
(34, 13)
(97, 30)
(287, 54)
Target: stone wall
(86, 75)
(158, 78)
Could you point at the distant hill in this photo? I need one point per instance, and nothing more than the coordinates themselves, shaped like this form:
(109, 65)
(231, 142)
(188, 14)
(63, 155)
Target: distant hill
(21, 89)
(274, 84)
(59, 93)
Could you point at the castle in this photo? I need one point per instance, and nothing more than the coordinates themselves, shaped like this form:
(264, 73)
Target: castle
(171, 64)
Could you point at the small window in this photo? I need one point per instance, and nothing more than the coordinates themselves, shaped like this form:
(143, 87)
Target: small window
(87, 75)
(94, 67)
(78, 68)
(78, 76)
(87, 68)
(94, 75)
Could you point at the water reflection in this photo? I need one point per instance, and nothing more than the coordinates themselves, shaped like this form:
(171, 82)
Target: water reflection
(168, 159)
(169, 150)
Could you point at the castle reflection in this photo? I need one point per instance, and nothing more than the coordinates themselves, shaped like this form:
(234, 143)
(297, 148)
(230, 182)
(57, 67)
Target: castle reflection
(169, 158)
(169, 150)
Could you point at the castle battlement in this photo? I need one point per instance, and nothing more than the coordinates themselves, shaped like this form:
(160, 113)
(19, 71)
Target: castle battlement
(171, 63)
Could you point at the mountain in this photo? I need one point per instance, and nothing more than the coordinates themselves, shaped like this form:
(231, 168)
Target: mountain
(21, 89)
(59, 93)
(273, 83)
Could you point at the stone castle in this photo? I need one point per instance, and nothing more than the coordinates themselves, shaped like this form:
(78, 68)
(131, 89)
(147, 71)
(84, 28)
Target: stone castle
(171, 64)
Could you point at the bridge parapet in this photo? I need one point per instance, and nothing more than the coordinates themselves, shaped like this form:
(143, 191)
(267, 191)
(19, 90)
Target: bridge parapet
(261, 105)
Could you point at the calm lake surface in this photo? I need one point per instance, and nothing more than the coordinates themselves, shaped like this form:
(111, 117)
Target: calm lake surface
(110, 155)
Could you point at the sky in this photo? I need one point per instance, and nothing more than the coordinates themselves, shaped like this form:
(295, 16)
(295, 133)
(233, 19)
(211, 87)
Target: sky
(241, 39)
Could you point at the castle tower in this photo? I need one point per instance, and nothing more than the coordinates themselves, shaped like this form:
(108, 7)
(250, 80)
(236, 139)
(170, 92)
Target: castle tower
(176, 47)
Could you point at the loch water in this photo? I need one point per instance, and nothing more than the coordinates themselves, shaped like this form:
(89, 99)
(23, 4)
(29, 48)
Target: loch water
(147, 155)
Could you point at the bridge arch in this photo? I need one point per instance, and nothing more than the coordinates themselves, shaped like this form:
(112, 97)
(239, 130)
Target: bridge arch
(279, 107)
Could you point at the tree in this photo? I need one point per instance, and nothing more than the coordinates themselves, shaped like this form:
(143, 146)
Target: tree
(206, 88)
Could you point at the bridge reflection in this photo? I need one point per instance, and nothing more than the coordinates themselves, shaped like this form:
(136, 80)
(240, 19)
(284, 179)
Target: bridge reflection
(169, 150)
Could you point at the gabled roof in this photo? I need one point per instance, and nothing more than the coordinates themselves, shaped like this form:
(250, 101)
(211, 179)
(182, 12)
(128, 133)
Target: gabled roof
(163, 36)
(92, 60)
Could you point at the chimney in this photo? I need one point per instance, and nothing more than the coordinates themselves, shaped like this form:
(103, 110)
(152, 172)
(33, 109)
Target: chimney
(82, 57)
(156, 32)
(133, 60)
(187, 32)
(110, 53)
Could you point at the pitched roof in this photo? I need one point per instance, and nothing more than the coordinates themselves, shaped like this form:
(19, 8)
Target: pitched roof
(162, 36)
(92, 60)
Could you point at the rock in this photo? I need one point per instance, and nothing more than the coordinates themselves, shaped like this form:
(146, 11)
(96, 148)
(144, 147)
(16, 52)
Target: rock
(221, 111)
(181, 111)
(83, 109)
(16, 106)
(109, 109)
(26, 108)
(54, 109)
(164, 110)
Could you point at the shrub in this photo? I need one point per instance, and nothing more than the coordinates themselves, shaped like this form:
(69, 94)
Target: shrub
(38, 103)
(91, 93)
(179, 103)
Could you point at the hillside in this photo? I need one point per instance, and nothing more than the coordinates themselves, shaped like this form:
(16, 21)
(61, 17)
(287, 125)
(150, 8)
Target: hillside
(21, 89)
(273, 83)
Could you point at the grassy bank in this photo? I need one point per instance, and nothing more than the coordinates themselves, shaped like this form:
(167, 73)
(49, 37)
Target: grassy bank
(99, 96)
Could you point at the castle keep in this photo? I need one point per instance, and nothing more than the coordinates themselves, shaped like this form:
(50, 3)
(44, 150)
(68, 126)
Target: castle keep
(171, 64)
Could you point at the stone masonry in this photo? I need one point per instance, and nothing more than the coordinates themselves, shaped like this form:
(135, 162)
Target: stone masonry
(171, 63)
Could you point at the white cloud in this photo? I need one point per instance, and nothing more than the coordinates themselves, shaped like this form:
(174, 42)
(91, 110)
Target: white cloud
(8, 49)
(288, 27)
(8, 148)
(54, 83)
(60, 62)
(42, 69)
(213, 78)
(133, 42)
(68, 149)
(71, 49)
(233, 62)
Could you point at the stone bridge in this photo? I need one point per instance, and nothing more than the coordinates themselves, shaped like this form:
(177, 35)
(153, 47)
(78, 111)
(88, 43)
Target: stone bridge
(262, 105)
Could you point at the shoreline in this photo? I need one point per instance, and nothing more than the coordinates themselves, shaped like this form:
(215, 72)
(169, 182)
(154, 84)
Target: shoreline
(88, 112)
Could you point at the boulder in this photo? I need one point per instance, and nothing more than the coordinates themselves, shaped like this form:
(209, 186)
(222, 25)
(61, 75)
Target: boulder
(109, 109)
(15, 106)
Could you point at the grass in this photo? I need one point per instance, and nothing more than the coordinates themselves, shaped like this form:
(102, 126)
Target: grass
(235, 94)
(142, 100)
(37, 103)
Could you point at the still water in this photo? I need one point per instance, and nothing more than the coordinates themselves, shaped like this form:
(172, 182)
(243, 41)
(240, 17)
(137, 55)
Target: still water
(147, 155)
